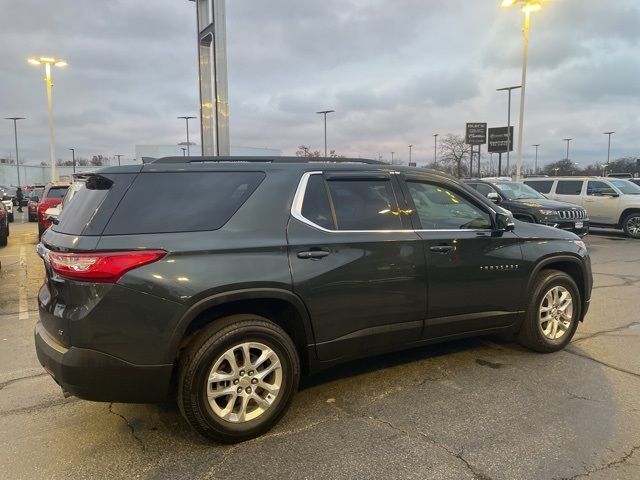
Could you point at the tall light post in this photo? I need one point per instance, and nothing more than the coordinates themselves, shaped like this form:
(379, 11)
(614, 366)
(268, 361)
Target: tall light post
(325, 113)
(435, 149)
(184, 151)
(509, 90)
(608, 146)
(528, 6)
(568, 140)
(186, 119)
(537, 145)
(48, 62)
(15, 134)
(118, 157)
(410, 153)
(73, 158)
(392, 154)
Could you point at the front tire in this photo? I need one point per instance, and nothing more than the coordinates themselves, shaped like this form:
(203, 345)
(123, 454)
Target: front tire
(237, 378)
(631, 225)
(553, 313)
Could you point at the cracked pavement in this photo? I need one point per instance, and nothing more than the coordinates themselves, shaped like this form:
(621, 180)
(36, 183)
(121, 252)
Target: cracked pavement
(474, 409)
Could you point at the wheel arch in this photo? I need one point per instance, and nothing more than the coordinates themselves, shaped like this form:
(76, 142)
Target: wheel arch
(283, 307)
(626, 212)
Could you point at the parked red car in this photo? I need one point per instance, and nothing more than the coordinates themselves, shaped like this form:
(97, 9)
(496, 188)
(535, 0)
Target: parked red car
(51, 197)
(32, 204)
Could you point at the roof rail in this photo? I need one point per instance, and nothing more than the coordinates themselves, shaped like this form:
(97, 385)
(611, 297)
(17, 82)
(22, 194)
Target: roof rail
(265, 160)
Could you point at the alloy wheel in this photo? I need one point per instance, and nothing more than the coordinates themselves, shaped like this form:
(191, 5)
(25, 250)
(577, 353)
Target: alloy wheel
(244, 382)
(633, 226)
(556, 313)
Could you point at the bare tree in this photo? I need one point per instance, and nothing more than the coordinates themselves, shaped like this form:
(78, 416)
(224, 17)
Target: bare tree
(454, 154)
(305, 151)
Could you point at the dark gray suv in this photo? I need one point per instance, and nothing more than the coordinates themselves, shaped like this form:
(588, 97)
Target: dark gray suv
(283, 267)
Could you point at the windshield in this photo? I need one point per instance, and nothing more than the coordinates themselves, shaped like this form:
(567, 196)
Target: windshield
(626, 187)
(517, 191)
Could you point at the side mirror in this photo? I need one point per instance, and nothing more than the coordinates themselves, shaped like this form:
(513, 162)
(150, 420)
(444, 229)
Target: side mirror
(494, 197)
(504, 223)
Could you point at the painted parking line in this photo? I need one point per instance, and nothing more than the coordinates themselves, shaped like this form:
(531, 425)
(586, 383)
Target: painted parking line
(23, 305)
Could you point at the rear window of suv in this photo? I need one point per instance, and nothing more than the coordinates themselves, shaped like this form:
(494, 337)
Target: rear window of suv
(57, 192)
(542, 186)
(165, 202)
(569, 187)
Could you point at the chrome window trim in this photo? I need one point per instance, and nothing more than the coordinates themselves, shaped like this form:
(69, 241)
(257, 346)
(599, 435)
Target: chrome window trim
(298, 199)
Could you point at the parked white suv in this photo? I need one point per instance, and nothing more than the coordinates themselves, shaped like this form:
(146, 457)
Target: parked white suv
(610, 202)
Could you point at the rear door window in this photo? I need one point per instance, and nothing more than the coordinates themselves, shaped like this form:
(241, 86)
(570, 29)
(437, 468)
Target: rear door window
(596, 189)
(364, 203)
(181, 202)
(541, 186)
(316, 206)
(569, 187)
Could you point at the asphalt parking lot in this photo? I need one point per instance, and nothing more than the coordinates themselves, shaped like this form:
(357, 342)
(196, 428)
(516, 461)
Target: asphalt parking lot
(481, 408)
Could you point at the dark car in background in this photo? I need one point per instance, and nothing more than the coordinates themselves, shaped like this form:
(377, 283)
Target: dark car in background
(284, 268)
(32, 203)
(52, 196)
(528, 205)
(635, 180)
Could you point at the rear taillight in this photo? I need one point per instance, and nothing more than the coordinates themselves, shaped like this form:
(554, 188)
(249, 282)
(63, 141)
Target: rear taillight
(103, 267)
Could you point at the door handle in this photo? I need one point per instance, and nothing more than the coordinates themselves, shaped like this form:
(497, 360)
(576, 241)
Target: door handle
(441, 248)
(313, 254)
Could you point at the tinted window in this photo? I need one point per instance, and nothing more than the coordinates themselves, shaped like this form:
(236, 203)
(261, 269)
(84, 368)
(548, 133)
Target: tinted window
(56, 192)
(443, 209)
(542, 187)
(364, 204)
(599, 188)
(483, 189)
(76, 215)
(569, 187)
(165, 202)
(315, 206)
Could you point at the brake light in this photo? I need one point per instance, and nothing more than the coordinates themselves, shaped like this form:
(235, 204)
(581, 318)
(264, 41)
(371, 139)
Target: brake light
(102, 267)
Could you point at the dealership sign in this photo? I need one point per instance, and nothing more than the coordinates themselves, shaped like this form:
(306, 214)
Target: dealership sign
(476, 134)
(499, 139)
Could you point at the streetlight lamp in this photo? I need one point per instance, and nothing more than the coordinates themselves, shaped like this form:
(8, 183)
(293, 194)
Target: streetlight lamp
(186, 119)
(509, 90)
(568, 140)
(48, 62)
(15, 133)
(435, 149)
(410, 153)
(537, 145)
(608, 147)
(528, 6)
(118, 156)
(557, 169)
(73, 158)
(325, 113)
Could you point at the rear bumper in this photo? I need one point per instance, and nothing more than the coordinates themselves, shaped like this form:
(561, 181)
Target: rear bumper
(97, 376)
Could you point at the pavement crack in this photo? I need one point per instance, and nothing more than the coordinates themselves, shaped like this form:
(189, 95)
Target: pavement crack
(458, 455)
(606, 466)
(131, 428)
(604, 332)
(601, 362)
(11, 382)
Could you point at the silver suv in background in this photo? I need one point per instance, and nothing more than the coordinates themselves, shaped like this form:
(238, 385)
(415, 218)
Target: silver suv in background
(610, 202)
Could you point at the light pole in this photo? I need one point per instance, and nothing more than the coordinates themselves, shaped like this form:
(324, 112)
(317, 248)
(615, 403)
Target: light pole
(392, 154)
(557, 169)
(73, 158)
(118, 156)
(537, 145)
(184, 151)
(568, 140)
(528, 6)
(435, 149)
(508, 90)
(15, 134)
(325, 113)
(604, 169)
(48, 62)
(410, 153)
(605, 133)
(186, 119)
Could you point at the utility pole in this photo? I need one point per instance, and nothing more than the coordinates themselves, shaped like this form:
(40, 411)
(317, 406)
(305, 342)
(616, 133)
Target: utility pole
(15, 133)
(73, 158)
(537, 145)
(325, 112)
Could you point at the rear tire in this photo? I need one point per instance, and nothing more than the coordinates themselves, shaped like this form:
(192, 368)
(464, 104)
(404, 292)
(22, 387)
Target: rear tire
(228, 399)
(631, 225)
(553, 313)
(4, 237)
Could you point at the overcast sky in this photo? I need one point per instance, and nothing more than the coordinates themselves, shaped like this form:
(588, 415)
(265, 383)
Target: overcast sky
(396, 72)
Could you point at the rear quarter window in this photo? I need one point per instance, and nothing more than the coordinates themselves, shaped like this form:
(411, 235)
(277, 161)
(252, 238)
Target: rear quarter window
(182, 202)
(57, 192)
